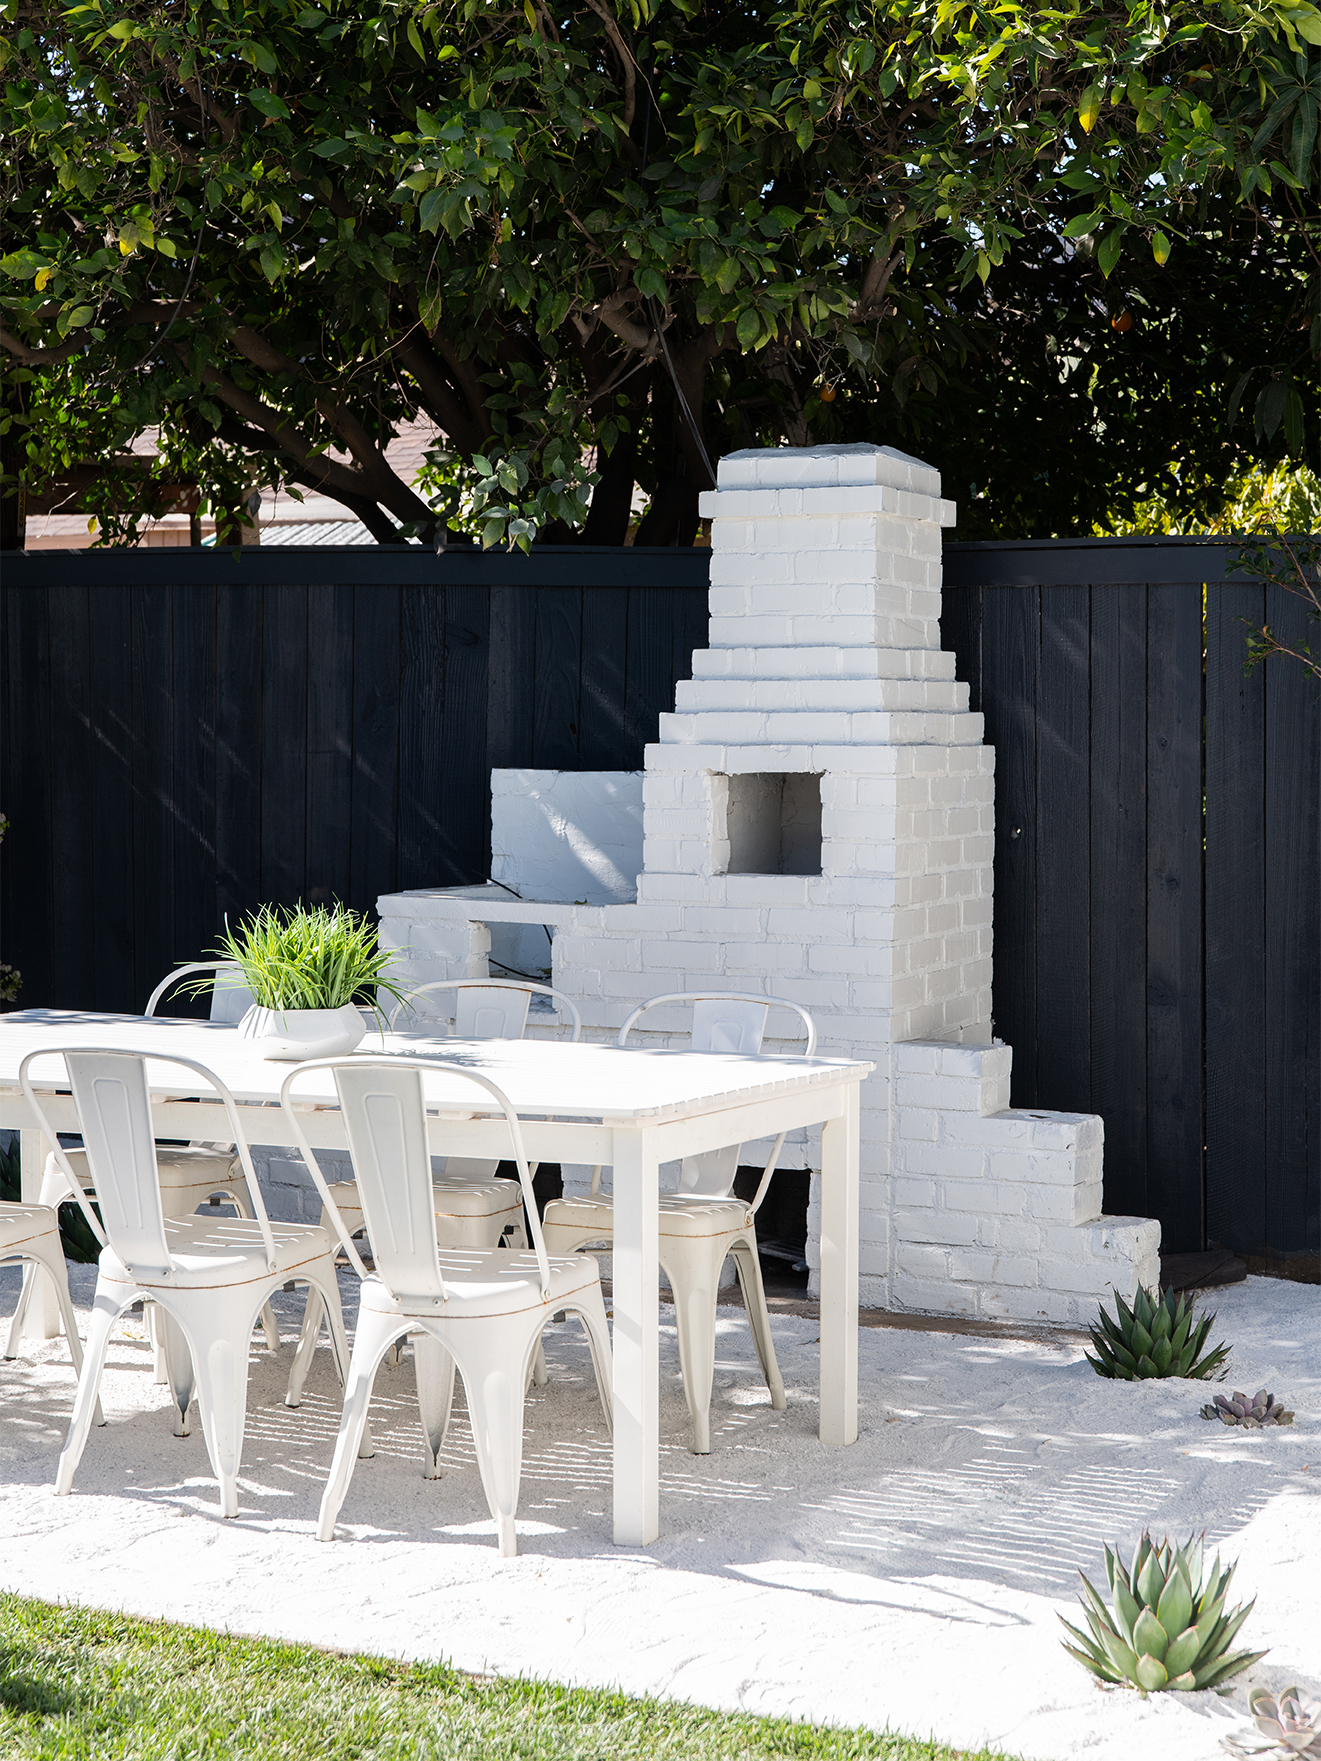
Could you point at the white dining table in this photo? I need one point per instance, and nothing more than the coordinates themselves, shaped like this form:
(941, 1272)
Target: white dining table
(631, 1109)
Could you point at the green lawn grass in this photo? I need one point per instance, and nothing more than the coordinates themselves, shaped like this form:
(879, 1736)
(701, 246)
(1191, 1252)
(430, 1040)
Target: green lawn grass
(75, 1683)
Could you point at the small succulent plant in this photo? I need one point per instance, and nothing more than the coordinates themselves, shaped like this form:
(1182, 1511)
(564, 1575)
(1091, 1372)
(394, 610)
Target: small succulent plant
(1288, 1726)
(1156, 1337)
(1250, 1410)
(1168, 1627)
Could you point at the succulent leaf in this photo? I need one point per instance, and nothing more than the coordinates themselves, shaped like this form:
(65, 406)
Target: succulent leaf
(1192, 1564)
(1126, 1607)
(1151, 1674)
(1218, 1672)
(1149, 1636)
(1183, 1652)
(1183, 1684)
(1175, 1607)
(1151, 1581)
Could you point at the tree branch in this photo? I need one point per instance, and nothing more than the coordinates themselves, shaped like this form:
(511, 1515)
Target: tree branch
(445, 404)
(610, 312)
(874, 284)
(626, 62)
(31, 357)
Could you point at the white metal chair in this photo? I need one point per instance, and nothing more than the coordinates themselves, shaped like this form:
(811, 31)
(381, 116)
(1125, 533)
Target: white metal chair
(31, 1233)
(482, 1308)
(190, 1174)
(702, 1223)
(208, 1278)
(473, 1208)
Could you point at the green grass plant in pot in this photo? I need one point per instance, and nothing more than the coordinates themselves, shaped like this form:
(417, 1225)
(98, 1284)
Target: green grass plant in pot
(311, 971)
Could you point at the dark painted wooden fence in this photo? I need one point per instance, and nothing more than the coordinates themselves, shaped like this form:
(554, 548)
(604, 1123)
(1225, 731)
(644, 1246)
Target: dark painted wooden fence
(185, 734)
(188, 733)
(1158, 874)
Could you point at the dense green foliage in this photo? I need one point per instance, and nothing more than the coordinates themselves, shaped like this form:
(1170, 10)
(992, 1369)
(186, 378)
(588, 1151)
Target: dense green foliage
(633, 237)
(79, 1683)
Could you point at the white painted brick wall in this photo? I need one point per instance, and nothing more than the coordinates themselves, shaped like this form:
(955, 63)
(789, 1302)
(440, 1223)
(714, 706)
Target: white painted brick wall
(997, 1210)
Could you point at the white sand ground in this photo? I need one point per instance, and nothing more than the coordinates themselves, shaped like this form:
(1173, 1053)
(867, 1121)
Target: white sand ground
(911, 1581)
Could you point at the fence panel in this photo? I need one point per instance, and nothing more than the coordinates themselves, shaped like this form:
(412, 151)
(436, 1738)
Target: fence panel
(1157, 909)
(187, 734)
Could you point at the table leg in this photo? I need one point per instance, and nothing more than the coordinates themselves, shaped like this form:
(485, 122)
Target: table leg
(43, 1312)
(839, 1275)
(636, 1343)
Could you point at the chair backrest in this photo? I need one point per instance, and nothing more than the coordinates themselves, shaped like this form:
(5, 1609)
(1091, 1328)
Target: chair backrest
(489, 1008)
(722, 1021)
(383, 1101)
(725, 1021)
(113, 1103)
(230, 1001)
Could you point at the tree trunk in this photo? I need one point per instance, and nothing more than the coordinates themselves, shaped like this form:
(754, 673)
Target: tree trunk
(612, 499)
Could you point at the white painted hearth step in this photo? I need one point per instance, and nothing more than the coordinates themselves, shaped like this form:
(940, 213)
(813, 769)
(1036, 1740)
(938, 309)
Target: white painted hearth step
(833, 662)
(942, 696)
(820, 727)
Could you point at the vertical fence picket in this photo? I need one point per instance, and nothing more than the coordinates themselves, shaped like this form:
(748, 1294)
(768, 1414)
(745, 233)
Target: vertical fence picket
(1292, 939)
(1236, 917)
(1118, 905)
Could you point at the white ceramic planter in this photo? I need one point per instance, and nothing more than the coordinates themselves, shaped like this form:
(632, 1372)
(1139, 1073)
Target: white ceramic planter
(295, 1034)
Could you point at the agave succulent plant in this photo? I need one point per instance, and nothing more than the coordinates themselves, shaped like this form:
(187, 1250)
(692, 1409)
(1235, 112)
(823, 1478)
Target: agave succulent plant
(1156, 1337)
(1287, 1726)
(1168, 1627)
(1250, 1410)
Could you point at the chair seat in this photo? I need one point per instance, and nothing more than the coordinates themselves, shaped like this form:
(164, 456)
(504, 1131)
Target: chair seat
(23, 1223)
(451, 1198)
(689, 1214)
(222, 1251)
(179, 1166)
(486, 1282)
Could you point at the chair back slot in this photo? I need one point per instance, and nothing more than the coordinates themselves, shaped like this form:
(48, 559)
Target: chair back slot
(114, 1111)
(385, 1123)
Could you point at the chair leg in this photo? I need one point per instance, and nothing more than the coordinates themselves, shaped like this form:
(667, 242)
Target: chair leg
(221, 1332)
(494, 1368)
(21, 1311)
(52, 1262)
(322, 1305)
(55, 1271)
(434, 1365)
(313, 1315)
(243, 1205)
(748, 1268)
(694, 1275)
(177, 1357)
(106, 1311)
(371, 1340)
(590, 1310)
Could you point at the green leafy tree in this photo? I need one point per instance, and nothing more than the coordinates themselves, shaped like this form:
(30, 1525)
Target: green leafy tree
(597, 245)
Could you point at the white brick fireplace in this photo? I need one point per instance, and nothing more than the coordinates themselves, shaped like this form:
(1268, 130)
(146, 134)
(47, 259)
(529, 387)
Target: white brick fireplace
(818, 823)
